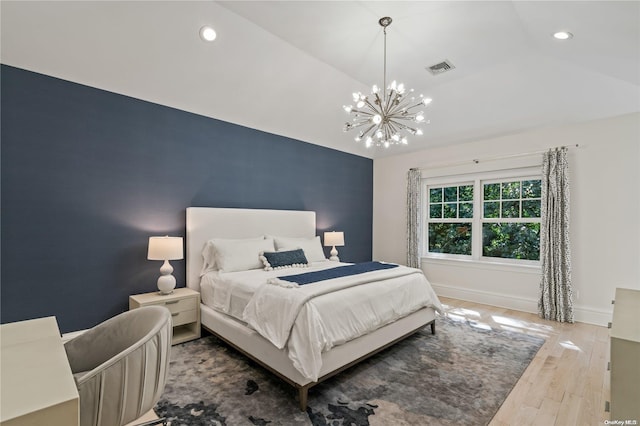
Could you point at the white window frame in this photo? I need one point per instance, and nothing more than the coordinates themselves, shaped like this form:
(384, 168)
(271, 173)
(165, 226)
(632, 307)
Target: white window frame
(478, 180)
(425, 214)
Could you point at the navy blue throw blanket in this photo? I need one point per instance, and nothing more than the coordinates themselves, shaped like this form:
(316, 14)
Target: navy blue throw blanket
(340, 271)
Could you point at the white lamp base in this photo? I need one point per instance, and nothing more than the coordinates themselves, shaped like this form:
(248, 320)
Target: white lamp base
(166, 282)
(334, 255)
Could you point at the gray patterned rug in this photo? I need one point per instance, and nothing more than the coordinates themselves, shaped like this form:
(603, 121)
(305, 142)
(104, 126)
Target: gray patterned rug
(459, 376)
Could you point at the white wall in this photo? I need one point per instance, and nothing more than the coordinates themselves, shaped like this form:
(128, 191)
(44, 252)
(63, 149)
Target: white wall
(605, 216)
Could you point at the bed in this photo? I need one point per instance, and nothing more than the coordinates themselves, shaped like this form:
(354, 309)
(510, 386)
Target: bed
(288, 356)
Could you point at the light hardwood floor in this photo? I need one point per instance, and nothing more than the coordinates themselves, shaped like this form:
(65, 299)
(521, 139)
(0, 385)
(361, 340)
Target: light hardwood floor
(567, 383)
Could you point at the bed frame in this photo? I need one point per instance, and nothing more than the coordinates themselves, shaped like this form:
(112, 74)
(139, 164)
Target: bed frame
(205, 223)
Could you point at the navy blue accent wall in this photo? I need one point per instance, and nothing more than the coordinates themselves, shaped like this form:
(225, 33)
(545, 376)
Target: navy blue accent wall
(88, 175)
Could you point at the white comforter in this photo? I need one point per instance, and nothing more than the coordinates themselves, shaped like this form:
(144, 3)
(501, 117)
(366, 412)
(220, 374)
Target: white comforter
(313, 318)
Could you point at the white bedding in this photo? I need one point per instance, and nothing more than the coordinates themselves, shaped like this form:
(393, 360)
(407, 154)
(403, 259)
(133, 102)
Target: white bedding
(323, 321)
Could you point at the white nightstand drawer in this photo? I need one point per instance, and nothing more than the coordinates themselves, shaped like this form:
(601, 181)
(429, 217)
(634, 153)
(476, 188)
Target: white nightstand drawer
(179, 305)
(184, 305)
(184, 317)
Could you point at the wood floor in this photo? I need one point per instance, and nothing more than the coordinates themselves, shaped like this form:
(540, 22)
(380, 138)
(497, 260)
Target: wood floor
(567, 383)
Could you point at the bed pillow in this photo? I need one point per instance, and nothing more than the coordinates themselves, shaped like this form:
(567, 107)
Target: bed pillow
(284, 259)
(233, 256)
(311, 246)
(209, 252)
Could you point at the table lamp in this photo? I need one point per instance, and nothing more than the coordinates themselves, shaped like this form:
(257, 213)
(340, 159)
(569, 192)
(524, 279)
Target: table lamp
(333, 239)
(165, 248)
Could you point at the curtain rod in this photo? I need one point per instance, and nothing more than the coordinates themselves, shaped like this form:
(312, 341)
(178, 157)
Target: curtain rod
(501, 157)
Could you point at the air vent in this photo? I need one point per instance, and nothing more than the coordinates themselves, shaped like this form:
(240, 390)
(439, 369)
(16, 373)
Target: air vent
(441, 67)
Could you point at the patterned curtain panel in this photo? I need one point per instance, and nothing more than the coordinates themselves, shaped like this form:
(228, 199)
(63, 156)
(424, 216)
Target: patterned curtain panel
(413, 206)
(556, 299)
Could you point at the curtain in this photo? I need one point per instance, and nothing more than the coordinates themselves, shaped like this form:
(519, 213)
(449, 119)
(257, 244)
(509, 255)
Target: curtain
(555, 254)
(413, 206)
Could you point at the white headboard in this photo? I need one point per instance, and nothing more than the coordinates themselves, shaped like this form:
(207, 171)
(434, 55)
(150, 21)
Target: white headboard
(204, 223)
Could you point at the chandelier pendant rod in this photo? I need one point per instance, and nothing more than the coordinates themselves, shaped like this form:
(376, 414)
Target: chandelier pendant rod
(384, 68)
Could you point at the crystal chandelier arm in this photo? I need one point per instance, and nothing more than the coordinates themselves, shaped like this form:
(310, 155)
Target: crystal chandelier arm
(388, 130)
(421, 103)
(355, 125)
(371, 107)
(405, 104)
(398, 108)
(378, 100)
(390, 99)
(362, 112)
(363, 133)
(404, 127)
(393, 129)
(366, 132)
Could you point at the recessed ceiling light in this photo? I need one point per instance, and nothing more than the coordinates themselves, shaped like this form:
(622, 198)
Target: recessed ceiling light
(207, 33)
(562, 35)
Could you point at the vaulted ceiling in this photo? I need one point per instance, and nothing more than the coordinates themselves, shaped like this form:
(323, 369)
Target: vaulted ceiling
(287, 67)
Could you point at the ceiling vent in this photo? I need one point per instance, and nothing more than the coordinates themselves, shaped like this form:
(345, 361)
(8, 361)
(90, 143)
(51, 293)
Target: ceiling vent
(441, 67)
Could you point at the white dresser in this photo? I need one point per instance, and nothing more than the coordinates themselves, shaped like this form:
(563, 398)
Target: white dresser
(37, 384)
(625, 357)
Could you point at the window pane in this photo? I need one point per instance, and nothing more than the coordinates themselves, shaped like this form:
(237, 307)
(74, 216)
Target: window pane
(452, 238)
(466, 210)
(492, 191)
(531, 189)
(451, 193)
(451, 210)
(511, 240)
(492, 209)
(531, 208)
(435, 211)
(510, 190)
(466, 193)
(511, 209)
(435, 195)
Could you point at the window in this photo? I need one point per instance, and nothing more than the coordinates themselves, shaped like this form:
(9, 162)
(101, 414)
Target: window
(450, 215)
(489, 217)
(511, 219)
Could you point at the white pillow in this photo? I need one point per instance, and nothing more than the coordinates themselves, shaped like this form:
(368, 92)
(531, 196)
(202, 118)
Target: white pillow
(209, 252)
(232, 256)
(311, 246)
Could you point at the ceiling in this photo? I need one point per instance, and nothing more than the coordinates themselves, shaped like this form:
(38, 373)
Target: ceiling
(288, 67)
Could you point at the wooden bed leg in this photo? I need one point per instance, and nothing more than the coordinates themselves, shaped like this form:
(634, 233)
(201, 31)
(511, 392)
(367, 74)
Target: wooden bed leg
(303, 393)
(433, 327)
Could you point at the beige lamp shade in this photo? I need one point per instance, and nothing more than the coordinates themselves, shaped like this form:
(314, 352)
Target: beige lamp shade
(333, 239)
(165, 248)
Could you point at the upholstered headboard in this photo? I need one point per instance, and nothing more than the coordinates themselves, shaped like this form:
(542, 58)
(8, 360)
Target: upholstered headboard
(204, 223)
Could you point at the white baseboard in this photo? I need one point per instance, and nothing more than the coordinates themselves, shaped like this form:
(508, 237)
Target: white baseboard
(581, 313)
(487, 298)
(592, 315)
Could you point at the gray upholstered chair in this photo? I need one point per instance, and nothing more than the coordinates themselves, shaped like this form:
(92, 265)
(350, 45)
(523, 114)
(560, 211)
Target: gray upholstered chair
(121, 365)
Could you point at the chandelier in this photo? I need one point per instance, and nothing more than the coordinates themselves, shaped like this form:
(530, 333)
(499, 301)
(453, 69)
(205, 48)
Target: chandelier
(385, 114)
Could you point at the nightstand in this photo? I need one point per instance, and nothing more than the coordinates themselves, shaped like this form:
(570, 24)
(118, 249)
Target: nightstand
(184, 305)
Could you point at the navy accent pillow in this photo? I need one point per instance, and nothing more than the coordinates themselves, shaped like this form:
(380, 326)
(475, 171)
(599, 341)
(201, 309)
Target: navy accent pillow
(284, 259)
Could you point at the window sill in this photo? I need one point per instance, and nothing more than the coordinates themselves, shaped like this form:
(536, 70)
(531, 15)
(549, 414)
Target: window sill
(483, 264)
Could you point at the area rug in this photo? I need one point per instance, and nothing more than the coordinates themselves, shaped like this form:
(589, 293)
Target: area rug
(459, 376)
